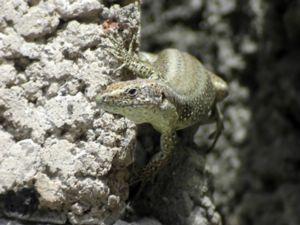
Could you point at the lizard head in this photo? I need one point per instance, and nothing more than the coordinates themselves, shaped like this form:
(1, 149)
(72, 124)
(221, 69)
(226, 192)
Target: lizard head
(139, 100)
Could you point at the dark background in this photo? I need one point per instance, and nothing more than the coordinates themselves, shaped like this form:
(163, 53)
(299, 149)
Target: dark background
(254, 45)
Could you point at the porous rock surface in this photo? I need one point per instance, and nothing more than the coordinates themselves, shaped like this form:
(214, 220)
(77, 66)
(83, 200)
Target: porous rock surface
(61, 158)
(255, 46)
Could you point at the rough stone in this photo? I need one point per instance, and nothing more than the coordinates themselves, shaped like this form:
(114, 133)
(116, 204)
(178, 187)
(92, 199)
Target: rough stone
(72, 9)
(10, 43)
(38, 21)
(8, 74)
(26, 154)
(255, 46)
(61, 158)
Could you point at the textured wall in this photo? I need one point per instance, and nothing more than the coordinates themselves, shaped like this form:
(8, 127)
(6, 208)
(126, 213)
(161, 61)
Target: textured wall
(60, 156)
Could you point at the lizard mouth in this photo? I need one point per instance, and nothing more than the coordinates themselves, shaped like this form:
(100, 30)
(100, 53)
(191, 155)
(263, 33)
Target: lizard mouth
(104, 101)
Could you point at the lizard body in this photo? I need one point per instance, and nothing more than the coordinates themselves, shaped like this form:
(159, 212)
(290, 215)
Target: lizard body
(175, 92)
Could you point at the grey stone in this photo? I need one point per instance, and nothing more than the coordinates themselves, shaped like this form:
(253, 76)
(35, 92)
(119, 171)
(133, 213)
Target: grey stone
(40, 20)
(61, 158)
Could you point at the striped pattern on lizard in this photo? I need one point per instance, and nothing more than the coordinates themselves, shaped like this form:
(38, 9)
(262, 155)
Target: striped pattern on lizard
(173, 90)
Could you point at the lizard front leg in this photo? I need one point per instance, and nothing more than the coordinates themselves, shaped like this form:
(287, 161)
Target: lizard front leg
(130, 60)
(159, 160)
(218, 118)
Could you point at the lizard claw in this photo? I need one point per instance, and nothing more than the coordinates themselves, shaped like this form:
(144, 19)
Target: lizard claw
(119, 68)
(215, 136)
(212, 135)
(219, 129)
(142, 176)
(113, 50)
(117, 48)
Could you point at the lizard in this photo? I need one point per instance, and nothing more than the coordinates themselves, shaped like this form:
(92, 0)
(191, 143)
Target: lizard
(173, 90)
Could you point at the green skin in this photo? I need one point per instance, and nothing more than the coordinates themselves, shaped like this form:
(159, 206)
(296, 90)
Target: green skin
(175, 91)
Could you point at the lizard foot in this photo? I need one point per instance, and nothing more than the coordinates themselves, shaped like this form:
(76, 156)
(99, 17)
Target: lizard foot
(219, 129)
(159, 160)
(117, 48)
(143, 176)
(139, 181)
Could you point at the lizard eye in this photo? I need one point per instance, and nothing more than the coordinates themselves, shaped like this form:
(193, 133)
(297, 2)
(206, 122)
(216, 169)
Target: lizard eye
(132, 92)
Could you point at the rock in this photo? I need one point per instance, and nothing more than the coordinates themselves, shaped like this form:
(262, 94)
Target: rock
(39, 21)
(61, 158)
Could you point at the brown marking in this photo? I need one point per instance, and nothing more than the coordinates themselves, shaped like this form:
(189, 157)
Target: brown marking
(109, 24)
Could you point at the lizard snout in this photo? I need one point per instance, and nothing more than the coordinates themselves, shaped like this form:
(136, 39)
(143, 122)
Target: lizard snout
(100, 99)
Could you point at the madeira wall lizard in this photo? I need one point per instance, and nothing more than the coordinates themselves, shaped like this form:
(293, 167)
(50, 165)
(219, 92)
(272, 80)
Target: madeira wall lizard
(173, 91)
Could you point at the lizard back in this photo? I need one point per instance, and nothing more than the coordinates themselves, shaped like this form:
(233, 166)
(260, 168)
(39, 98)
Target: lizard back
(191, 83)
